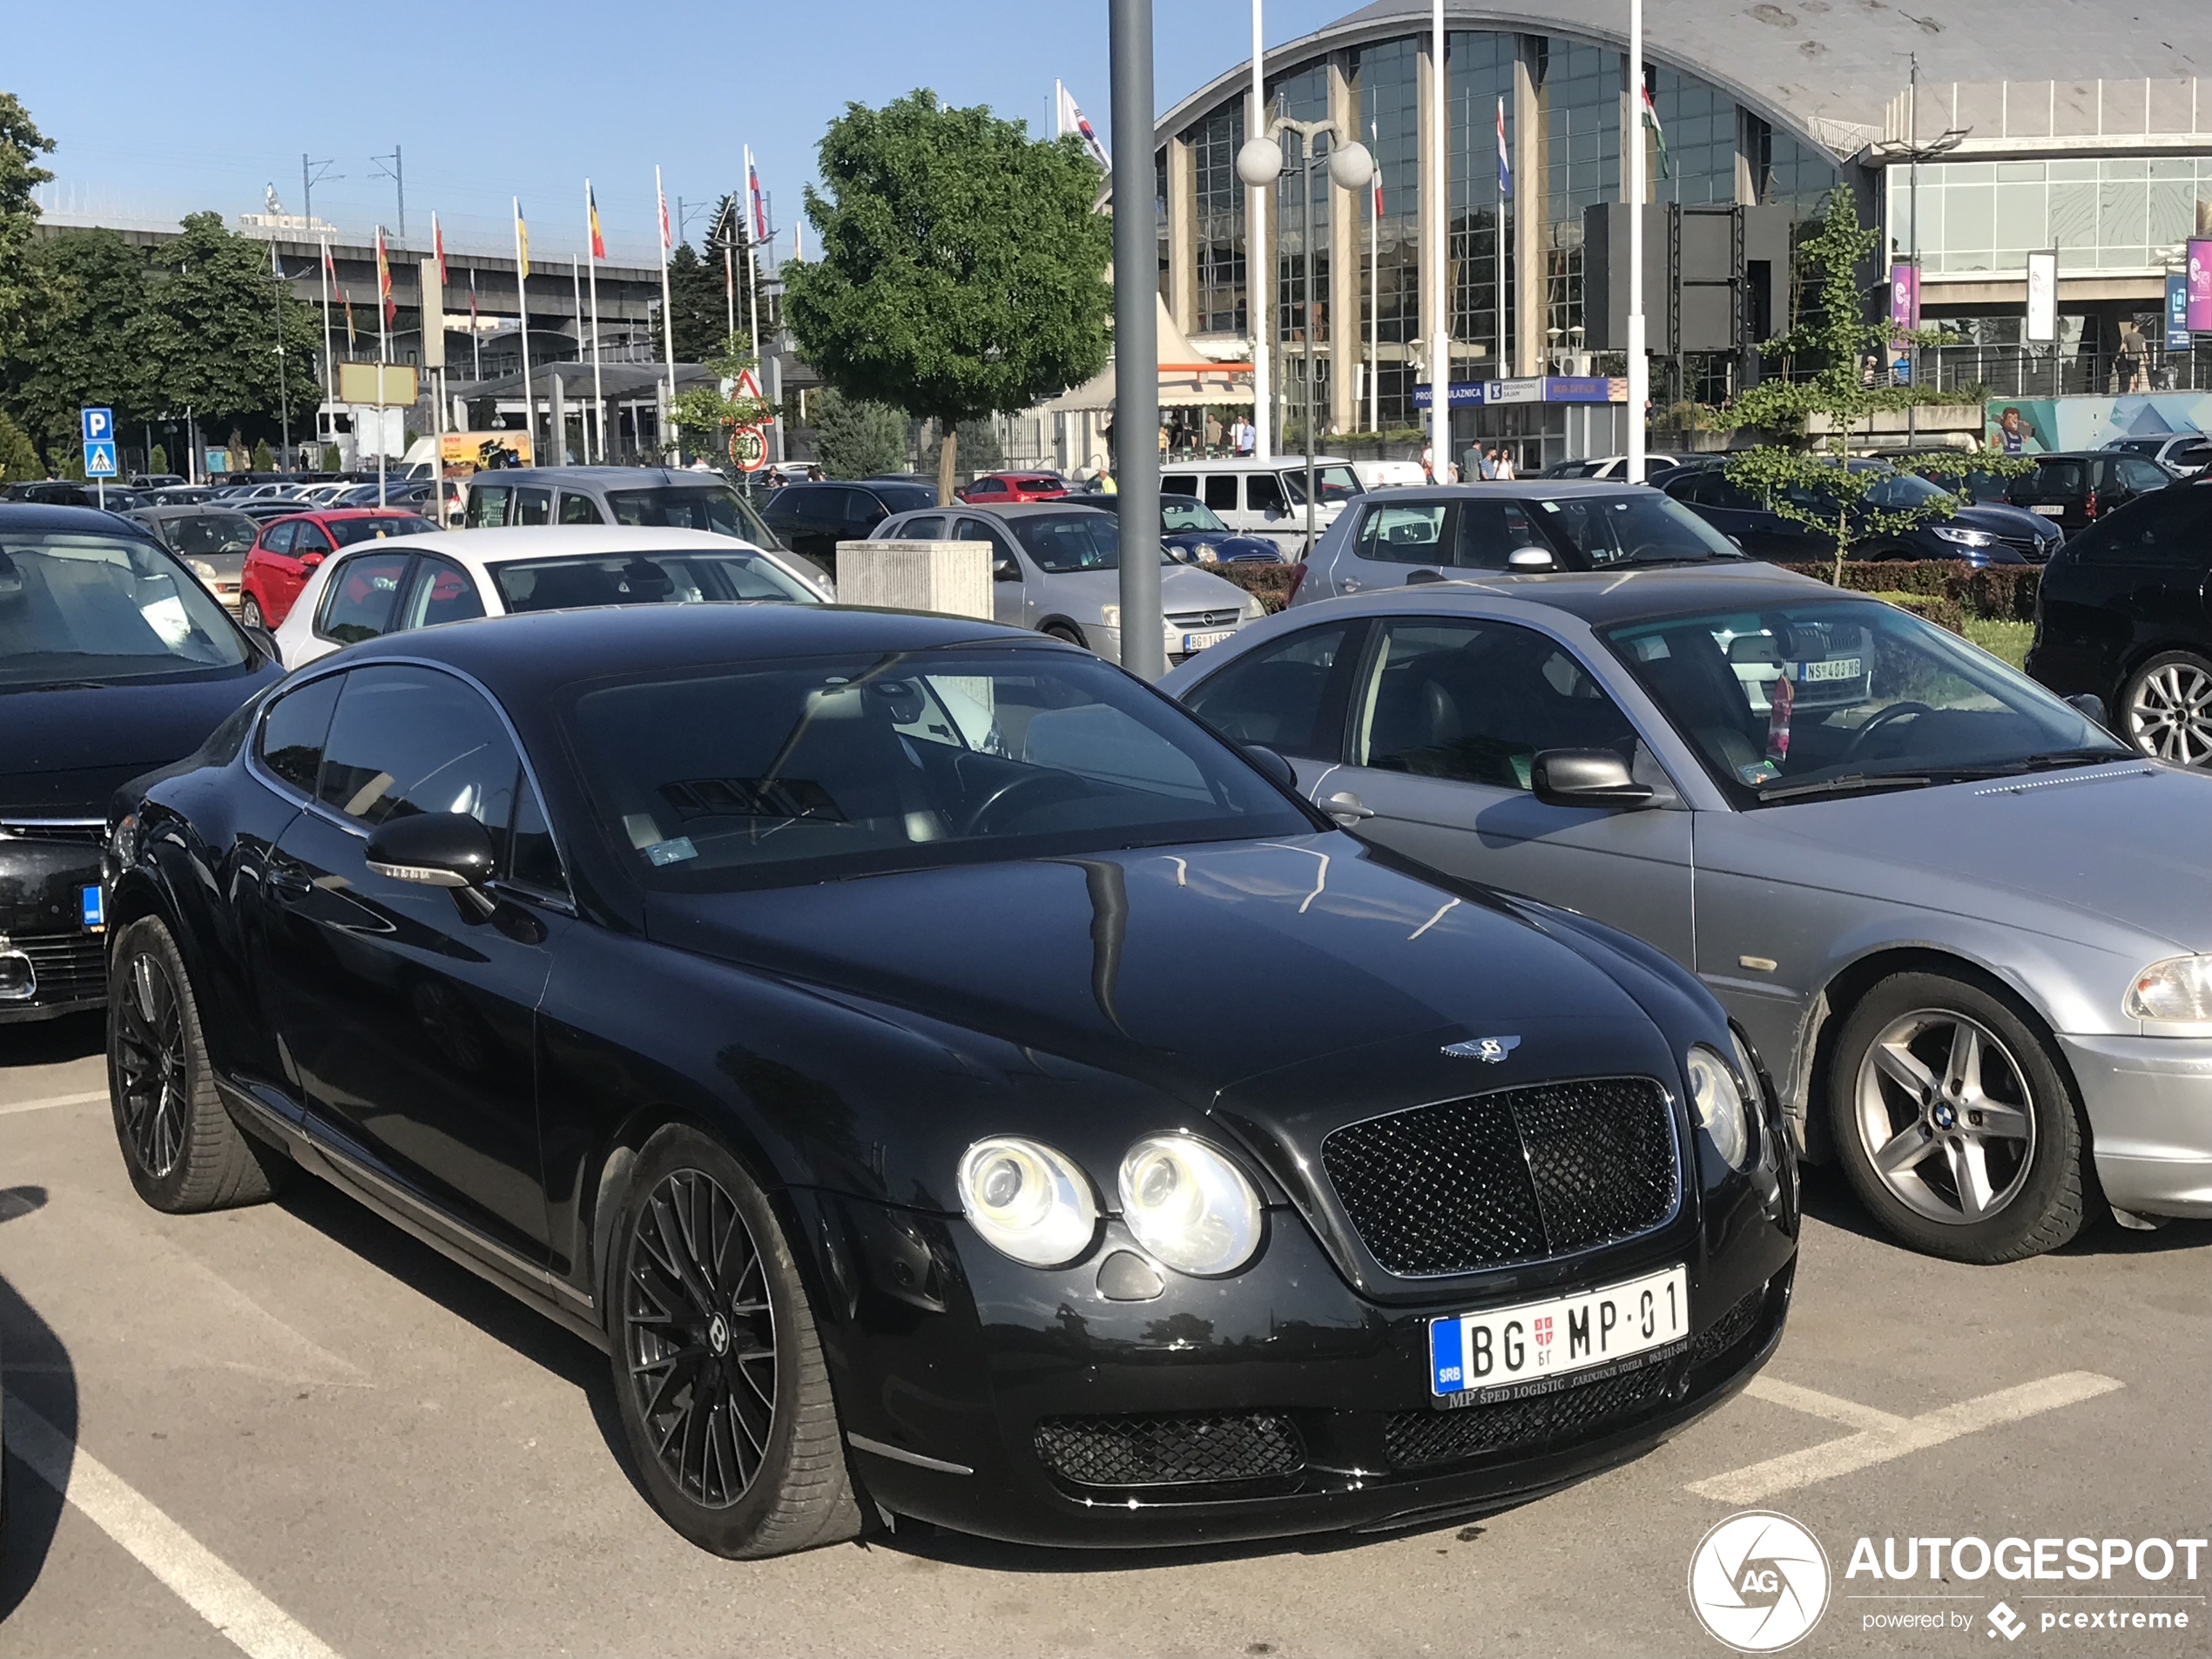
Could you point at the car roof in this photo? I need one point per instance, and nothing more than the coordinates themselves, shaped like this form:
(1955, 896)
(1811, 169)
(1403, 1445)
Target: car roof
(477, 550)
(1492, 489)
(1011, 510)
(31, 517)
(524, 658)
(1601, 598)
(187, 510)
(604, 477)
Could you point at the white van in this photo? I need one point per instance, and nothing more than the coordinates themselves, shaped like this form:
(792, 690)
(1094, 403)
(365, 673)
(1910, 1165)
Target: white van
(1266, 498)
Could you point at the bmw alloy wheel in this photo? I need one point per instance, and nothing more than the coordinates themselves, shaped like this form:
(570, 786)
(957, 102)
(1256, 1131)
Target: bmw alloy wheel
(1945, 1116)
(2169, 711)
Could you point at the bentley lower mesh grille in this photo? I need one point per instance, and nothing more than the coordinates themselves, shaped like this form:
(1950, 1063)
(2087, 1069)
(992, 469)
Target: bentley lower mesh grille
(1423, 1440)
(1728, 1331)
(1512, 1176)
(1169, 1451)
(70, 968)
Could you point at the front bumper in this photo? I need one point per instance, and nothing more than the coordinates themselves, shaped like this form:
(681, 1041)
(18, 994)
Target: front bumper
(43, 937)
(1026, 1406)
(2149, 1100)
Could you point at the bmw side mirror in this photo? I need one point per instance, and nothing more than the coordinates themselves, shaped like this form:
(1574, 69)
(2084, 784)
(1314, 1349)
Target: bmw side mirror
(1272, 766)
(2089, 706)
(434, 849)
(1530, 558)
(1586, 778)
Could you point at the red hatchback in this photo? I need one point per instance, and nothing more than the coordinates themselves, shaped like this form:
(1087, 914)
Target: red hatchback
(1004, 488)
(289, 549)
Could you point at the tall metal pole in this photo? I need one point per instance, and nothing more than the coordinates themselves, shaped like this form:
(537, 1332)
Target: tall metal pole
(1306, 320)
(1374, 295)
(1259, 274)
(560, 420)
(667, 306)
(1440, 344)
(1137, 342)
(523, 305)
(598, 385)
(284, 391)
(1913, 141)
(1639, 366)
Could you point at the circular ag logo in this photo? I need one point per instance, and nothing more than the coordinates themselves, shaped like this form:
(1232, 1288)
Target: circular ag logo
(1759, 1581)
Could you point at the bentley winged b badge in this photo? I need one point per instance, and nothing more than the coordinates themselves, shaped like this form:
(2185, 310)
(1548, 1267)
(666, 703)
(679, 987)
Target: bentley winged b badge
(1489, 1051)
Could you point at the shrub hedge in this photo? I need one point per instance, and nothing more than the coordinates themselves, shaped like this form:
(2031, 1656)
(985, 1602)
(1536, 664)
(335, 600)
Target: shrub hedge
(1945, 613)
(1270, 582)
(2001, 593)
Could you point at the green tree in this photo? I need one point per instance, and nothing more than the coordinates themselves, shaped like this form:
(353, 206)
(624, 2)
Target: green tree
(158, 463)
(704, 414)
(964, 266)
(20, 144)
(701, 309)
(84, 342)
(855, 438)
(332, 461)
(264, 458)
(211, 321)
(18, 461)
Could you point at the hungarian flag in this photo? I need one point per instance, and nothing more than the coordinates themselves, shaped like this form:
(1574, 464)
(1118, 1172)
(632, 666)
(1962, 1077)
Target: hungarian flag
(1658, 132)
(384, 281)
(438, 248)
(591, 213)
(522, 242)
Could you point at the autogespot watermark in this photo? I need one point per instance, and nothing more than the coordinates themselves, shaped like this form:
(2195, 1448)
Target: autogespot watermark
(1759, 1581)
(2143, 1586)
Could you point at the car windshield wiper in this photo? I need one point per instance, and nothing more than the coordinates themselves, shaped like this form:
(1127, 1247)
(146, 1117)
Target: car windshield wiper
(1851, 784)
(2047, 762)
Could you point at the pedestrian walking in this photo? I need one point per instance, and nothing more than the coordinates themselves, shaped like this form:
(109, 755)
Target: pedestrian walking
(1487, 462)
(1505, 464)
(1243, 437)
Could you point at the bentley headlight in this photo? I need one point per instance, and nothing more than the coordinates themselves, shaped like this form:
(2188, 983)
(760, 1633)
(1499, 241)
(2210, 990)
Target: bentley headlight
(1028, 1201)
(1189, 1205)
(2178, 990)
(1718, 1099)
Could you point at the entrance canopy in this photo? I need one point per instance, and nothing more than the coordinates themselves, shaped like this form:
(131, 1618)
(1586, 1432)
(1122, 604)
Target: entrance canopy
(1187, 379)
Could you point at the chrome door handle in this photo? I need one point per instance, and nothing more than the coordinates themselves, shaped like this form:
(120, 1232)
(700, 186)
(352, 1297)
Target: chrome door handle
(1350, 584)
(1346, 808)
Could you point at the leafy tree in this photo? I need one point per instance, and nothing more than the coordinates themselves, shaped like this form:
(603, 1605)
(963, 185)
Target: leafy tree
(264, 460)
(332, 461)
(20, 144)
(979, 449)
(84, 343)
(18, 461)
(158, 463)
(700, 307)
(964, 266)
(855, 438)
(213, 316)
(704, 410)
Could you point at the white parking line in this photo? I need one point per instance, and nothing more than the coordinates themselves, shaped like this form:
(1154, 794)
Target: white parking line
(1882, 1437)
(247, 1618)
(9, 1110)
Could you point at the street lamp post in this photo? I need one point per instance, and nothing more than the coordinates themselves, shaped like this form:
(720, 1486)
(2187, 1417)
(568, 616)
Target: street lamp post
(1137, 348)
(1259, 164)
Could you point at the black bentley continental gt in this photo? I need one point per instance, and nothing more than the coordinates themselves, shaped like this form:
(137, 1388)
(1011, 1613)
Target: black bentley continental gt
(950, 1080)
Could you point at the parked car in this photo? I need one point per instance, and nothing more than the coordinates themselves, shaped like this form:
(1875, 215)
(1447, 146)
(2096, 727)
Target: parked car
(658, 498)
(1796, 793)
(290, 548)
(537, 936)
(113, 660)
(1974, 536)
(63, 492)
(1961, 474)
(1267, 498)
(2121, 614)
(1535, 525)
(1389, 475)
(1004, 488)
(2071, 490)
(810, 519)
(423, 581)
(265, 509)
(1656, 467)
(1056, 568)
(1194, 532)
(177, 496)
(2186, 454)
(212, 542)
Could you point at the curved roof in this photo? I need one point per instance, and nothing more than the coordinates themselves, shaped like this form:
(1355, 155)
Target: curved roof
(1801, 63)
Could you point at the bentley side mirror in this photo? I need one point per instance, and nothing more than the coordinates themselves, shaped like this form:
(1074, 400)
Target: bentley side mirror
(1277, 769)
(435, 849)
(1530, 558)
(1586, 778)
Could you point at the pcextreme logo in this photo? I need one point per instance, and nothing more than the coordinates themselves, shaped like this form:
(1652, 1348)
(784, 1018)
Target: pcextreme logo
(1759, 1581)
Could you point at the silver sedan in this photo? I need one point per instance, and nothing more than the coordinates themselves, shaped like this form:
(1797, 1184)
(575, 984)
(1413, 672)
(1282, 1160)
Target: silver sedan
(1969, 932)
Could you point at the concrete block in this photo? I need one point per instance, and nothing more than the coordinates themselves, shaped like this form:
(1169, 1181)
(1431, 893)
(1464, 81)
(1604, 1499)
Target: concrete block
(952, 579)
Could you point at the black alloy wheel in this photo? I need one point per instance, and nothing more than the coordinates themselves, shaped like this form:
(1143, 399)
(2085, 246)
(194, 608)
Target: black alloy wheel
(719, 1378)
(181, 1148)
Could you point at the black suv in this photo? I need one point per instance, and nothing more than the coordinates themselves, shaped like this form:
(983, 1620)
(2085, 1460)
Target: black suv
(810, 519)
(2073, 489)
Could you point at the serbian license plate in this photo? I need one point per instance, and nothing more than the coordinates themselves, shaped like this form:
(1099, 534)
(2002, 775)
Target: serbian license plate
(94, 910)
(2048, 511)
(1211, 636)
(1508, 1353)
(1836, 668)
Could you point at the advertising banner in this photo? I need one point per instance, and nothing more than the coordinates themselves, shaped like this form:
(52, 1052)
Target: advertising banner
(2042, 297)
(1904, 300)
(463, 453)
(2200, 288)
(2177, 311)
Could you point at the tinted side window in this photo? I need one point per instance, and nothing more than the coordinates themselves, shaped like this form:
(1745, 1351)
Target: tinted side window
(925, 529)
(533, 507)
(486, 506)
(1182, 483)
(2140, 475)
(1401, 534)
(278, 537)
(442, 592)
(362, 595)
(532, 858)
(579, 510)
(408, 739)
(1221, 492)
(1281, 694)
(1264, 492)
(293, 730)
(1491, 532)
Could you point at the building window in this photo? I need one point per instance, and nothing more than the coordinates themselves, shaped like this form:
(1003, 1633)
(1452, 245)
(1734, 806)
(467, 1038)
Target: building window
(1220, 199)
(1482, 71)
(1784, 172)
(1160, 224)
(1386, 82)
(1699, 122)
(2101, 215)
(1578, 92)
(1303, 97)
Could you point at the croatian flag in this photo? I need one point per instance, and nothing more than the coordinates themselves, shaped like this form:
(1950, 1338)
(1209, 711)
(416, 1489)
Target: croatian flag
(753, 194)
(1505, 167)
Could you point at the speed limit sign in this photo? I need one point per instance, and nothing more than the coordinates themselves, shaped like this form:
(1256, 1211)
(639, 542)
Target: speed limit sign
(748, 449)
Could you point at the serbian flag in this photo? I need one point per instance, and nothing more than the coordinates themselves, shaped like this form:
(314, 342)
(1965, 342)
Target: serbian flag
(753, 194)
(384, 281)
(591, 213)
(438, 249)
(1504, 167)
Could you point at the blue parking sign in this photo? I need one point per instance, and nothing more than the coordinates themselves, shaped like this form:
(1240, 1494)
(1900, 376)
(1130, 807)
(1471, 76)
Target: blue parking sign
(99, 426)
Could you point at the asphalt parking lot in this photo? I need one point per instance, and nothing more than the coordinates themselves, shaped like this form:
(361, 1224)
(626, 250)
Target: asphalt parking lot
(292, 1430)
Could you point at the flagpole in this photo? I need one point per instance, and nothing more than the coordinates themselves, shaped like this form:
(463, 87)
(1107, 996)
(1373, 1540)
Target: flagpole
(1639, 366)
(751, 257)
(523, 303)
(598, 385)
(475, 335)
(383, 357)
(729, 273)
(1374, 297)
(1259, 284)
(1498, 228)
(583, 433)
(667, 307)
(1439, 347)
(329, 368)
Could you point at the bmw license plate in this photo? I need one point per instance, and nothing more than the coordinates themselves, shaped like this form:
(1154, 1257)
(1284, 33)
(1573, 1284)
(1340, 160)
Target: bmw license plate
(2048, 511)
(1211, 636)
(1535, 1348)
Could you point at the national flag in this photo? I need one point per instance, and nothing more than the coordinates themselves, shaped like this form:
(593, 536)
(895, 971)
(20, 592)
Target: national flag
(330, 270)
(1504, 167)
(591, 213)
(754, 195)
(1072, 119)
(275, 269)
(472, 299)
(522, 244)
(1658, 132)
(384, 281)
(438, 248)
(667, 247)
(1375, 133)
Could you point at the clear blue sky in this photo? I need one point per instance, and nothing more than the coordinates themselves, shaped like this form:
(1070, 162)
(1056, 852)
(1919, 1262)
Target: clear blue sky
(161, 110)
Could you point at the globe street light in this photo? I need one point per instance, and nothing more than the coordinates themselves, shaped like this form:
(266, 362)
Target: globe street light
(1259, 164)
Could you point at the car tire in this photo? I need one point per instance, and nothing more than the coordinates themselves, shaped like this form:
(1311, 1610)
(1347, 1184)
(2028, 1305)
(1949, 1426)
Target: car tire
(1064, 631)
(2165, 708)
(740, 1450)
(182, 1150)
(249, 612)
(1954, 1124)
